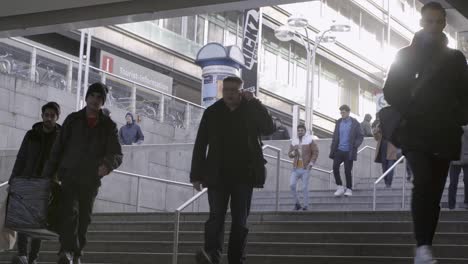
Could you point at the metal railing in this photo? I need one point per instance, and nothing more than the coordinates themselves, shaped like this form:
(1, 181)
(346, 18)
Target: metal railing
(403, 198)
(162, 102)
(330, 172)
(139, 177)
(200, 194)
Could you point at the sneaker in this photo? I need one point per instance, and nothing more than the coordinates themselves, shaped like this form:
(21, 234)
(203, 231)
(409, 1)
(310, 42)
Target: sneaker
(65, 258)
(202, 257)
(297, 207)
(424, 256)
(304, 208)
(339, 191)
(19, 260)
(348, 192)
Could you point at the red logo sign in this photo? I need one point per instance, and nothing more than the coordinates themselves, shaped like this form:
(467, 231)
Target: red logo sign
(107, 64)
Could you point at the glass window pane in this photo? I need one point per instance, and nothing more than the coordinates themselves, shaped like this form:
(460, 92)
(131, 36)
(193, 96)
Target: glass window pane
(200, 37)
(191, 28)
(173, 24)
(215, 33)
(230, 38)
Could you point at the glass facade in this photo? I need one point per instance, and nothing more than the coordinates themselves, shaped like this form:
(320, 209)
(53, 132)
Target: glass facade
(282, 65)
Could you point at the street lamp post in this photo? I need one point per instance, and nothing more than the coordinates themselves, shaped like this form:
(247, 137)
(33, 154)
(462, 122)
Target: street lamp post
(287, 33)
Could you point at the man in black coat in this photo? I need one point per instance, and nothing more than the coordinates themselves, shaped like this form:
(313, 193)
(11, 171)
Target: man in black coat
(230, 129)
(430, 131)
(30, 161)
(87, 149)
(347, 138)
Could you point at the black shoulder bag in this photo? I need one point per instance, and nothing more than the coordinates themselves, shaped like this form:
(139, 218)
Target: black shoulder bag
(391, 118)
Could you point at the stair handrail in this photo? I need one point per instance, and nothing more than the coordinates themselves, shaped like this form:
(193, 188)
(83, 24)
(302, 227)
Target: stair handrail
(179, 209)
(330, 172)
(145, 177)
(374, 197)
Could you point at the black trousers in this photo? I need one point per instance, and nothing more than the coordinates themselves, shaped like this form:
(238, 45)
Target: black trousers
(76, 207)
(430, 174)
(218, 199)
(23, 246)
(453, 186)
(340, 157)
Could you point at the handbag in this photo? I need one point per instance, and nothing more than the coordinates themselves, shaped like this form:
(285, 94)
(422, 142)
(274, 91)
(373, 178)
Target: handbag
(391, 119)
(7, 236)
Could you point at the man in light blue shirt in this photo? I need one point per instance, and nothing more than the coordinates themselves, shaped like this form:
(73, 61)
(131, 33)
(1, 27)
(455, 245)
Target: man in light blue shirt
(347, 137)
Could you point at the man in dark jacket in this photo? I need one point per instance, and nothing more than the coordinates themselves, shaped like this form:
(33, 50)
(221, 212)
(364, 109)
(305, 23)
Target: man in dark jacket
(366, 126)
(430, 131)
(347, 138)
(32, 155)
(281, 132)
(130, 133)
(230, 129)
(86, 150)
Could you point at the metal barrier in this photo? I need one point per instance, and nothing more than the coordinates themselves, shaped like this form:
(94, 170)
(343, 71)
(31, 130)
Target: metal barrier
(139, 177)
(162, 107)
(403, 198)
(200, 194)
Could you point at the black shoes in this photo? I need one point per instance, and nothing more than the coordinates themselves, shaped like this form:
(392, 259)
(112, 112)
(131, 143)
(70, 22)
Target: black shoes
(65, 258)
(297, 207)
(19, 260)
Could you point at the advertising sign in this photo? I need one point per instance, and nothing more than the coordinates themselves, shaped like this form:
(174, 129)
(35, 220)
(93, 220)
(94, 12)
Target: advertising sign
(250, 45)
(135, 72)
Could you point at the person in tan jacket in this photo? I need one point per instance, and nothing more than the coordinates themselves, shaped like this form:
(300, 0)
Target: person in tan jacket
(385, 153)
(305, 152)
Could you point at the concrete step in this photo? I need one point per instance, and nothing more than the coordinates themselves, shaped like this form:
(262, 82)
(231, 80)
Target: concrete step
(283, 216)
(294, 237)
(152, 258)
(328, 206)
(284, 226)
(269, 248)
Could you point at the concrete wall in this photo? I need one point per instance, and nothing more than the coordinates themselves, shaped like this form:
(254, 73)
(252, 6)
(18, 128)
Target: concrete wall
(21, 101)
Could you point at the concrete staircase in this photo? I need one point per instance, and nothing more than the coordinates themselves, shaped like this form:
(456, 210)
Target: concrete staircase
(289, 237)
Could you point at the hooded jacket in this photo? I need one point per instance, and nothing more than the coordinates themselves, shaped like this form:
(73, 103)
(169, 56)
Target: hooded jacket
(432, 120)
(79, 150)
(130, 133)
(34, 152)
(309, 151)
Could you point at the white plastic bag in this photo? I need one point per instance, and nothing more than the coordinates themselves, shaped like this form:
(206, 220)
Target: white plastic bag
(7, 236)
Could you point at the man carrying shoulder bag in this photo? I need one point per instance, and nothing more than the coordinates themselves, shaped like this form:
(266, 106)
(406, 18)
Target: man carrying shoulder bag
(427, 89)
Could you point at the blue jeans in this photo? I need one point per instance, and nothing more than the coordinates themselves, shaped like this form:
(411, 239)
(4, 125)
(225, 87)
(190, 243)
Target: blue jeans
(452, 191)
(302, 174)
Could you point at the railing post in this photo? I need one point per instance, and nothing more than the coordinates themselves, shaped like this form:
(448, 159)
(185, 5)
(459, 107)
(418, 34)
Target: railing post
(278, 163)
(187, 116)
(133, 99)
(138, 196)
(370, 165)
(176, 237)
(32, 73)
(403, 198)
(69, 75)
(330, 180)
(103, 77)
(374, 199)
(161, 109)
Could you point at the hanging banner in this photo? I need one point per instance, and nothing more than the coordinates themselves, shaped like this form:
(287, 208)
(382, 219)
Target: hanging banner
(250, 46)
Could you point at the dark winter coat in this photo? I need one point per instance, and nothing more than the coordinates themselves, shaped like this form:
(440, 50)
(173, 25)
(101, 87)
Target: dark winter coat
(131, 133)
(34, 152)
(355, 139)
(80, 150)
(433, 120)
(206, 166)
